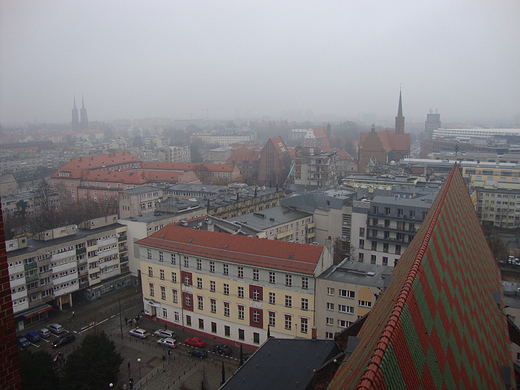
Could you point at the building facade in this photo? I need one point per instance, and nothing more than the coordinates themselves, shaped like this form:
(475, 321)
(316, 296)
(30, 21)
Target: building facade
(229, 287)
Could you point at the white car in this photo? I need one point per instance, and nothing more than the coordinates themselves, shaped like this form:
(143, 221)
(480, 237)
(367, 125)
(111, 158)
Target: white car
(139, 332)
(167, 342)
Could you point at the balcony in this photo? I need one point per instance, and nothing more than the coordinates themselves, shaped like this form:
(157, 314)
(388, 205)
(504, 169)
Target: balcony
(122, 238)
(29, 266)
(80, 251)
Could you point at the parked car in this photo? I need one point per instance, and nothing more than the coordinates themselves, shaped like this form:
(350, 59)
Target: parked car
(198, 352)
(56, 328)
(195, 342)
(65, 339)
(139, 332)
(44, 333)
(167, 342)
(33, 337)
(221, 349)
(22, 341)
(165, 333)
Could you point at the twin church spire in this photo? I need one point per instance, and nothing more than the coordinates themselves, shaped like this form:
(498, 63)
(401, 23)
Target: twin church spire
(79, 122)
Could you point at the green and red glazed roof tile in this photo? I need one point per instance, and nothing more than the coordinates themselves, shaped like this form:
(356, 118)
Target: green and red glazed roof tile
(437, 326)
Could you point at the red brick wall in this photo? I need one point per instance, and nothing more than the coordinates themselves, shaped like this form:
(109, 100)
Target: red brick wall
(9, 363)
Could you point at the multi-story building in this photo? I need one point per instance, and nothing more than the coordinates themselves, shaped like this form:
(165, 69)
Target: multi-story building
(218, 155)
(49, 267)
(230, 287)
(224, 138)
(279, 223)
(314, 167)
(384, 227)
(274, 163)
(347, 292)
(175, 154)
(139, 200)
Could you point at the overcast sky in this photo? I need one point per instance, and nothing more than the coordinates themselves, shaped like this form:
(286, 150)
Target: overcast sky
(176, 59)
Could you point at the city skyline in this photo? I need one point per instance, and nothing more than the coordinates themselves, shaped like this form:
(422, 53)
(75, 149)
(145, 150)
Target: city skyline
(178, 60)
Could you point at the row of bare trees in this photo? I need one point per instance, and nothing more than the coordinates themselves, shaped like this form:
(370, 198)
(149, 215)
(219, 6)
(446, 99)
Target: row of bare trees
(52, 210)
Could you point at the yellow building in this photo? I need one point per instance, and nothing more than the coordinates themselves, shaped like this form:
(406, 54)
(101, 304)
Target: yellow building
(229, 287)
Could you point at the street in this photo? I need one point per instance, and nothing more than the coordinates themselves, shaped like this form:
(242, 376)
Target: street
(145, 361)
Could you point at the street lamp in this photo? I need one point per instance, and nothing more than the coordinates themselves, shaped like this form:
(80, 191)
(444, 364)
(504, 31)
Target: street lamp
(139, 361)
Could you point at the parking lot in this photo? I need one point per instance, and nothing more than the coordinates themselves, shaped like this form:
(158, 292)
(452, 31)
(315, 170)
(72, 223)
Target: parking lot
(147, 362)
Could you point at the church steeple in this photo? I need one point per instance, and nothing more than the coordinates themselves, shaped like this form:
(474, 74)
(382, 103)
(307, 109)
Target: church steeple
(399, 119)
(84, 117)
(75, 120)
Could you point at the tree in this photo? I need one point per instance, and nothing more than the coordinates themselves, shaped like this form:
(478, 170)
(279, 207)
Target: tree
(38, 371)
(341, 249)
(93, 365)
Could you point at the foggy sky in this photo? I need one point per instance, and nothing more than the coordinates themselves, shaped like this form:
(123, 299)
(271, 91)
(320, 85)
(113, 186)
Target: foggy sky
(175, 59)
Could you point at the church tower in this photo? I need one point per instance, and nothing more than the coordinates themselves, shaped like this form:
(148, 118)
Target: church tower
(399, 119)
(84, 117)
(75, 120)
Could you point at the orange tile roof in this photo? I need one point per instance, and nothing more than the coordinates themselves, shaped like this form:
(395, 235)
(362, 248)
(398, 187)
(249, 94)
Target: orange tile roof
(390, 140)
(286, 256)
(187, 166)
(241, 155)
(279, 145)
(342, 154)
(93, 162)
(126, 177)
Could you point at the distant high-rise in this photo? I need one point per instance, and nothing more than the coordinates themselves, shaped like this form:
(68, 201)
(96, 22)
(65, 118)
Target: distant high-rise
(75, 118)
(84, 117)
(433, 122)
(399, 119)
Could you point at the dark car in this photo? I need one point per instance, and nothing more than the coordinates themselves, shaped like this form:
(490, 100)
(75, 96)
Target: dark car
(22, 341)
(198, 352)
(221, 349)
(68, 338)
(33, 337)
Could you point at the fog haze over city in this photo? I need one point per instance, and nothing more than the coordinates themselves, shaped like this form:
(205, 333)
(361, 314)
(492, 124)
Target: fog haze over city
(228, 59)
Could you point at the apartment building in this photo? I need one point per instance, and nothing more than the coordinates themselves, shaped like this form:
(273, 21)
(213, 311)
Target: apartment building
(139, 200)
(382, 228)
(315, 167)
(228, 287)
(347, 292)
(49, 267)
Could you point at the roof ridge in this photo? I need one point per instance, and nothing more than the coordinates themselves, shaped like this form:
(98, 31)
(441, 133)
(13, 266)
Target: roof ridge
(370, 373)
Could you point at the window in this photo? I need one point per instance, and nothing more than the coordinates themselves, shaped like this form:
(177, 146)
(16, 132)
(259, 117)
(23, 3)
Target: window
(161, 257)
(365, 303)
(214, 327)
(151, 290)
(175, 296)
(188, 320)
(227, 330)
(361, 244)
(256, 316)
(174, 277)
(187, 300)
(385, 247)
(187, 280)
(226, 289)
(165, 313)
(272, 298)
(226, 309)
(305, 283)
(387, 210)
(255, 274)
(374, 243)
(213, 305)
(201, 324)
(372, 259)
(330, 291)
(385, 260)
(272, 318)
(346, 293)
(288, 280)
(240, 272)
(241, 334)
(150, 272)
(288, 301)
(362, 232)
(161, 274)
(288, 322)
(212, 286)
(272, 277)
(225, 269)
(398, 249)
(241, 292)
(173, 259)
(329, 335)
(149, 254)
(200, 302)
(344, 323)
(256, 338)
(330, 306)
(329, 321)
(240, 312)
(199, 264)
(305, 304)
(186, 262)
(176, 316)
(361, 257)
(211, 266)
(256, 295)
(304, 326)
(346, 309)
(163, 292)
(199, 282)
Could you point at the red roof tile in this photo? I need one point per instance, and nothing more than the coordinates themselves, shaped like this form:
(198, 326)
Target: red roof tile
(93, 162)
(286, 256)
(240, 155)
(182, 167)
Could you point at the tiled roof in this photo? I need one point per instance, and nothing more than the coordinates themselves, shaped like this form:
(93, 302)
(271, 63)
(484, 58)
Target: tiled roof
(390, 140)
(241, 155)
(187, 166)
(279, 145)
(286, 256)
(437, 326)
(134, 177)
(92, 162)
(342, 153)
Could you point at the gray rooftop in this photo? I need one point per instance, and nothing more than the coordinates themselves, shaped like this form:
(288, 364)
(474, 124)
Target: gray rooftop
(318, 200)
(143, 190)
(354, 272)
(270, 217)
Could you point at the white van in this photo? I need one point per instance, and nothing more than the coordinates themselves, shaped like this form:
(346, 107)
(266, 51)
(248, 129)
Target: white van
(56, 328)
